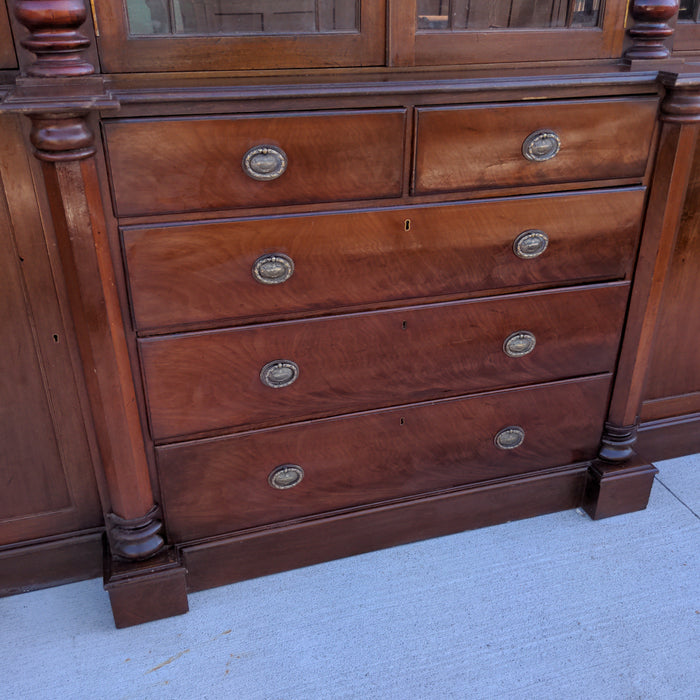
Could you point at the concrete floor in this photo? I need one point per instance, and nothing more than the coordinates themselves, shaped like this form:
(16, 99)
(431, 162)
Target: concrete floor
(553, 607)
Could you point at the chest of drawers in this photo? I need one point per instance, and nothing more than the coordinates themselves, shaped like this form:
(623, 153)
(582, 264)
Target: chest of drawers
(335, 305)
(399, 306)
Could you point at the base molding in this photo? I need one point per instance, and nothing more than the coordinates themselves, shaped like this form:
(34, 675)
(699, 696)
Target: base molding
(51, 562)
(668, 438)
(156, 588)
(267, 551)
(616, 489)
(145, 591)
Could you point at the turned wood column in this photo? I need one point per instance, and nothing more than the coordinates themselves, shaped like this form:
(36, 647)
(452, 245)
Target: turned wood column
(64, 142)
(680, 112)
(620, 481)
(54, 37)
(650, 28)
(60, 108)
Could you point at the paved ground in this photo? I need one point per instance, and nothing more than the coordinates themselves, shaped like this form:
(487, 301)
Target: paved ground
(554, 607)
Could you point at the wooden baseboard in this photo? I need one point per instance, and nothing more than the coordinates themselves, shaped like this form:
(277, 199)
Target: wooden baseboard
(668, 438)
(271, 550)
(51, 562)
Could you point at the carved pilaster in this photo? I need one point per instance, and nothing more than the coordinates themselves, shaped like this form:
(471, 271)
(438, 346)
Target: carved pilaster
(54, 37)
(650, 28)
(137, 538)
(64, 140)
(61, 137)
(78, 216)
(617, 443)
(680, 113)
(682, 104)
(620, 481)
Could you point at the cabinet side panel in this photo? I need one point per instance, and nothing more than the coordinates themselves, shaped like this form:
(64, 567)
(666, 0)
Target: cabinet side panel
(675, 370)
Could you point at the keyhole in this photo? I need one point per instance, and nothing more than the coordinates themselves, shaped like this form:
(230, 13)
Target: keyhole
(407, 225)
(403, 325)
(55, 338)
(402, 421)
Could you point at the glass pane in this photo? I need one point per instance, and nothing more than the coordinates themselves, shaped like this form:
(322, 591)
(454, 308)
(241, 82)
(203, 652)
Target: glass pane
(447, 15)
(148, 17)
(689, 10)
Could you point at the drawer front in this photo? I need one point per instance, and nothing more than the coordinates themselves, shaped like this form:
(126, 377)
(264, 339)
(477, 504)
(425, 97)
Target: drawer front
(210, 381)
(221, 485)
(179, 165)
(468, 148)
(212, 273)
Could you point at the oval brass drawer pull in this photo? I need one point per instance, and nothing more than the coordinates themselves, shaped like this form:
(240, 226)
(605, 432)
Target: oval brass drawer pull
(541, 145)
(509, 438)
(286, 476)
(279, 373)
(274, 268)
(264, 162)
(519, 344)
(530, 244)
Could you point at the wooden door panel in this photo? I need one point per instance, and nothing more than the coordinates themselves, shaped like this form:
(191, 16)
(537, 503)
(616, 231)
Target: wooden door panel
(47, 483)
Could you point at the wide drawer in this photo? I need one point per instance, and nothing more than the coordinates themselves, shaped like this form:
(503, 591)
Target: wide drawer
(176, 165)
(209, 381)
(221, 485)
(483, 147)
(214, 273)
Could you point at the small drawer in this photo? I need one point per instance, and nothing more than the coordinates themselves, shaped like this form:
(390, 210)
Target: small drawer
(272, 374)
(214, 486)
(496, 146)
(256, 269)
(162, 166)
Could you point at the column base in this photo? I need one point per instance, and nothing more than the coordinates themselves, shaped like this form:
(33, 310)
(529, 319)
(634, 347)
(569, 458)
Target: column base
(616, 489)
(147, 590)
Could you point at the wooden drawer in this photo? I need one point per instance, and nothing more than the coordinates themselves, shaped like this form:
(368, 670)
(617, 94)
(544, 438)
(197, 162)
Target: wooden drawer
(203, 273)
(469, 148)
(211, 381)
(220, 485)
(177, 165)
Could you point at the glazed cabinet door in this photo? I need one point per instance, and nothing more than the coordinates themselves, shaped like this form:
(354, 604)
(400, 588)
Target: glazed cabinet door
(8, 60)
(179, 35)
(446, 32)
(687, 35)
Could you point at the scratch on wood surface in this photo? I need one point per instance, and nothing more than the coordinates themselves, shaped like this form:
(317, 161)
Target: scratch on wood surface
(168, 661)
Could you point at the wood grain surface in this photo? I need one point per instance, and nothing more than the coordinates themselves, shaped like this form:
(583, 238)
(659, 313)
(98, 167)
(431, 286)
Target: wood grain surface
(201, 273)
(217, 486)
(210, 381)
(477, 147)
(177, 165)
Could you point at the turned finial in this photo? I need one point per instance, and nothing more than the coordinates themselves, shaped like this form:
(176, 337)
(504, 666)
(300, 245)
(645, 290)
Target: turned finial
(54, 37)
(650, 28)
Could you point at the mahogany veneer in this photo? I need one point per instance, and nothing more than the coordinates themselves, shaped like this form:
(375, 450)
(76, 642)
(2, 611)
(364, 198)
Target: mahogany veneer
(217, 486)
(211, 381)
(201, 273)
(458, 277)
(475, 147)
(197, 166)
